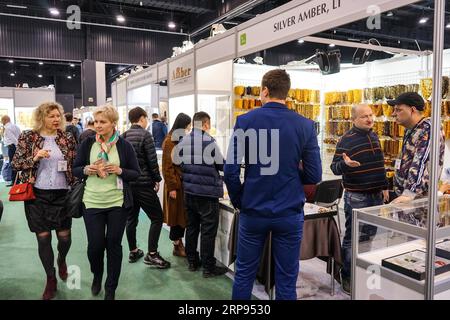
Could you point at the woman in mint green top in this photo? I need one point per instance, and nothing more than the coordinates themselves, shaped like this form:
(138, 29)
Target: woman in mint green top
(102, 191)
(108, 163)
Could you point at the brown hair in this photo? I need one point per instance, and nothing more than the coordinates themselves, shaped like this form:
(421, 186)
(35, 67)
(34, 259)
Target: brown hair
(278, 82)
(201, 117)
(68, 116)
(136, 113)
(42, 111)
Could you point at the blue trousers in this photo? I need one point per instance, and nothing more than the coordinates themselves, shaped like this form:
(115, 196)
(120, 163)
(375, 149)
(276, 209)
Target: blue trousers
(286, 240)
(355, 200)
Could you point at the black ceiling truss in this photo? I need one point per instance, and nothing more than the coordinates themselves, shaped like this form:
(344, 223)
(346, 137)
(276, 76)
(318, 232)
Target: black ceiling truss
(401, 29)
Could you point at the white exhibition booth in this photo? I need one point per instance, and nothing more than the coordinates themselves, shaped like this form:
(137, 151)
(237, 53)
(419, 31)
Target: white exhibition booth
(19, 103)
(137, 90)
(208, 78)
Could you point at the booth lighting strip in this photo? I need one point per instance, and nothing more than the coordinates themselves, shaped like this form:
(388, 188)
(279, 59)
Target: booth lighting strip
(366, 46)
(91, 24)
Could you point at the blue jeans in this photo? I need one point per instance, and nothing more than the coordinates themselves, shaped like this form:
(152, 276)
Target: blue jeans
(286, 240)
(357, 200)
(11, 152)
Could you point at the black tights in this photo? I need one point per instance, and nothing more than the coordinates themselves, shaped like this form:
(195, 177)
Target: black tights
(46, 251)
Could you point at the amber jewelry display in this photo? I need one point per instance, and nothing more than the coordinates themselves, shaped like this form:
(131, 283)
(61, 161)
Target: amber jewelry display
(426, 87)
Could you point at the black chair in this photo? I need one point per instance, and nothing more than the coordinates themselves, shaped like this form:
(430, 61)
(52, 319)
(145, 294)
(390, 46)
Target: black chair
(328, 194)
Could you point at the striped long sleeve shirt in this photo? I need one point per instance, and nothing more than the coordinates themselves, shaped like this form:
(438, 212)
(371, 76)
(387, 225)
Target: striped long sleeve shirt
(412, 175)
(362, 146)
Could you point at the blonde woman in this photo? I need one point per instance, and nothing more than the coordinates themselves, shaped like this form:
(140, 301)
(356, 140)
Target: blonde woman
(45, 156)
(108, 163)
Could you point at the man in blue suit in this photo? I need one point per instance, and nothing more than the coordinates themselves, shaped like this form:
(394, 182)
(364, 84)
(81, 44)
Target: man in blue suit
(281, 154)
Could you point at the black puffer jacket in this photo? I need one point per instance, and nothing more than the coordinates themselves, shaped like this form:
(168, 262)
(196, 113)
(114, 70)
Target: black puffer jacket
(144, 147)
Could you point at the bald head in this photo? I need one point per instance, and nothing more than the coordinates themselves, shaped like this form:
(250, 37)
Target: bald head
(6, 119)
(362, 116)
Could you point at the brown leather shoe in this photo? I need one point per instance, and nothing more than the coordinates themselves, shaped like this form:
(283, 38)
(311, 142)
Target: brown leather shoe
(62, 269)
(178, 250)
(50, 288)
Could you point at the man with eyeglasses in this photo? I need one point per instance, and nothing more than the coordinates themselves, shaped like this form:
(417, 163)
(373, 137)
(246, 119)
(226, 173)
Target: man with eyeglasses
(411, 169)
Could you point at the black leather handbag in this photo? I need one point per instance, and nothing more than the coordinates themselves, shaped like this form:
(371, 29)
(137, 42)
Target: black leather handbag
(74, 200)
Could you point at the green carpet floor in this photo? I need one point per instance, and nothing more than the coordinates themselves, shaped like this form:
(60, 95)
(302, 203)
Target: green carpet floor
(22, 275)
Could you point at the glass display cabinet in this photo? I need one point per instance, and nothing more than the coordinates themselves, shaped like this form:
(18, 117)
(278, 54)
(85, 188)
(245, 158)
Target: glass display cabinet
(219, 108)
(389, 262)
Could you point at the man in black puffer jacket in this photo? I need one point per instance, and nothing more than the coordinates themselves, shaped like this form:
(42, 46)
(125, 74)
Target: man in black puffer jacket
(144, 190)
(201, 161)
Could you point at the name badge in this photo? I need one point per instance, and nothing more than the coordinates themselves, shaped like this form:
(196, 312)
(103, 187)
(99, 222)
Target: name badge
(119, 183)
(397, 164)
(62, 166)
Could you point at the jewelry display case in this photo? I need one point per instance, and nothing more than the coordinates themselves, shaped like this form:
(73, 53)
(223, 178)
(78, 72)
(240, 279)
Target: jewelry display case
(392, 263)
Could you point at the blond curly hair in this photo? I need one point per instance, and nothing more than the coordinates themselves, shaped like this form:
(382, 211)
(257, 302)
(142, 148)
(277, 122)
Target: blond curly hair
(42, 111)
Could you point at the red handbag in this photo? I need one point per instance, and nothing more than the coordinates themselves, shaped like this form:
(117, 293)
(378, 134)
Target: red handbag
(21, 192)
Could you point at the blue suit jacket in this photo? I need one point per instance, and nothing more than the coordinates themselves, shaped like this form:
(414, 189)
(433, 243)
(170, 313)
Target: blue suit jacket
(280, 191)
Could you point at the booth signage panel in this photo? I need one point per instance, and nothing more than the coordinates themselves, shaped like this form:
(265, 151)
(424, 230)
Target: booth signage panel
(162, 72)
(215, 78)
(216, 51)
(308, 18)
(6, 93)
(181, 75)
(145, 77)
(32, 97)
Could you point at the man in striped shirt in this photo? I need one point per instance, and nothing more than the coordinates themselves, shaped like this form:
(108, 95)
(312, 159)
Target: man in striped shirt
(411, 172)
(360, 161)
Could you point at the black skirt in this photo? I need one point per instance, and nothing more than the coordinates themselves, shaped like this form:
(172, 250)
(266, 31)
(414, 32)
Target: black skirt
(47, 212)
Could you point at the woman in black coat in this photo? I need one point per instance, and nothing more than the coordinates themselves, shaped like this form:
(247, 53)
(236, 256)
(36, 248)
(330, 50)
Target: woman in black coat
(108, 163)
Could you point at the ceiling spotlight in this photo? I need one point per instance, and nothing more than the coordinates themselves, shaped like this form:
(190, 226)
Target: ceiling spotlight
(16, 6)
(69, 77)
(172, 25)
(301, 41)
(140, 3)
(41, 63)
(448, 25)
(332, 45)
(389, 14)
(40, 75)
(54, 11)
(72, 65)
(423, 20)
(12, 74)
(11, 61)
(120, 18)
